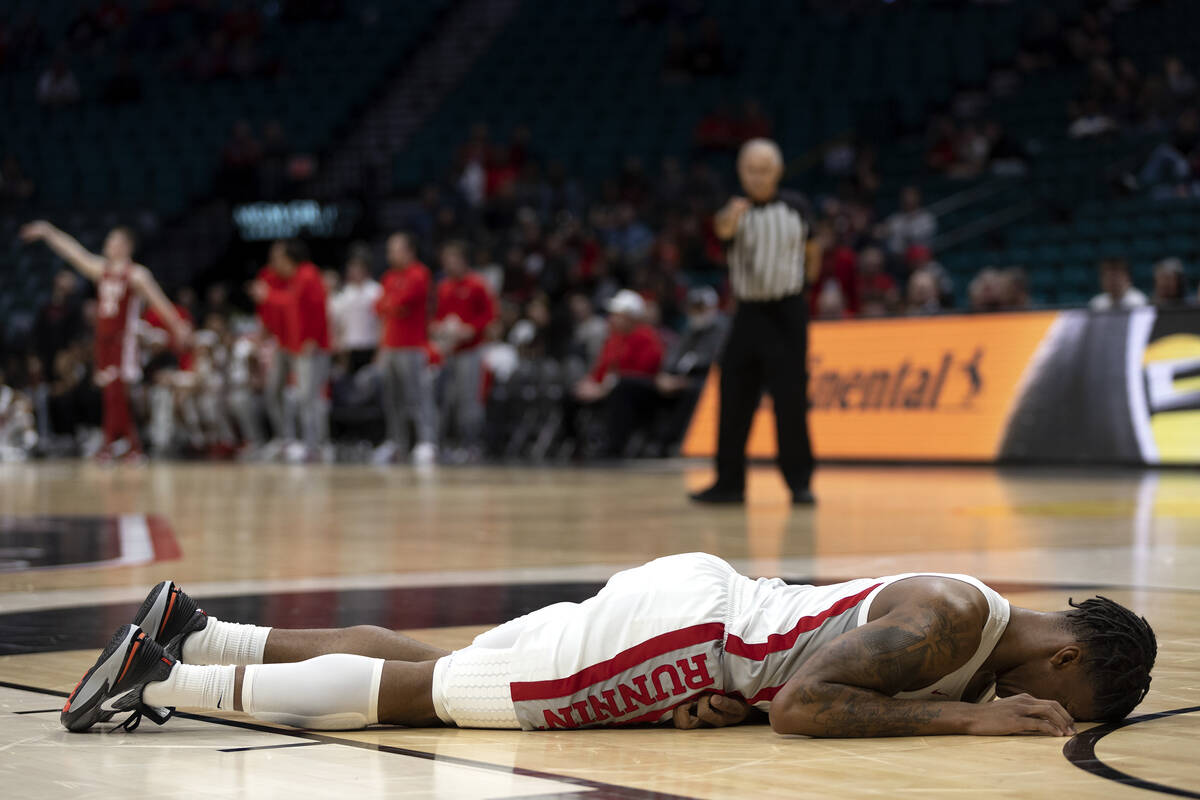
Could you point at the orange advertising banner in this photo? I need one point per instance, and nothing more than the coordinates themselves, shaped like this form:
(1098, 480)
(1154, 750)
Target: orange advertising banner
(929, 388)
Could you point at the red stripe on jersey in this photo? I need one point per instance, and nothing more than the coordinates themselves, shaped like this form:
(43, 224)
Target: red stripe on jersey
(765, 694)
(734, 646)
(625, 660)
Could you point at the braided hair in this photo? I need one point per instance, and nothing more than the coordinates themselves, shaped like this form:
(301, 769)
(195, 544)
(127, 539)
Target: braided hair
(1119, 650)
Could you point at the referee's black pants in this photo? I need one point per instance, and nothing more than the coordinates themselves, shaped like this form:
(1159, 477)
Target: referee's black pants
(767, 349)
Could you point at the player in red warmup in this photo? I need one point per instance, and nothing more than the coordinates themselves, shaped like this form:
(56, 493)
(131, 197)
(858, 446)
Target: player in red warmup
(121, 287)
(292, 303)
(465, 308)
(407, 376)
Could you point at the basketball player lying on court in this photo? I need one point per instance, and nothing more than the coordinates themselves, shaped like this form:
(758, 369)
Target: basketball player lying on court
(684, 638)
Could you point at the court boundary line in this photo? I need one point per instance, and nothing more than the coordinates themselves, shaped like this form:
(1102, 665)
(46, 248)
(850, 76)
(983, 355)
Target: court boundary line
(596, 790)
(1081, 752)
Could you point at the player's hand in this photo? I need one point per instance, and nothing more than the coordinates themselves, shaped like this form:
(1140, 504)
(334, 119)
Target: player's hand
(183, 335)
(735, 208)
(667, 383)
(258, 290)
(711, 711)
(1021, 714)
(34, 231)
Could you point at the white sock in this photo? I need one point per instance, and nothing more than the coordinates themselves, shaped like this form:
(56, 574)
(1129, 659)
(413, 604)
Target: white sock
(226, 643)
(193, 686)
(330, 692)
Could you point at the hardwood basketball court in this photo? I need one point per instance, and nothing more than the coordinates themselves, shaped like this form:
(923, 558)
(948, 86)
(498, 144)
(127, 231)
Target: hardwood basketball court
(445, 554)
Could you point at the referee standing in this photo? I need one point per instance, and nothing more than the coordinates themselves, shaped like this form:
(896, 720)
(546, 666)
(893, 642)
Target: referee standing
(768, 340)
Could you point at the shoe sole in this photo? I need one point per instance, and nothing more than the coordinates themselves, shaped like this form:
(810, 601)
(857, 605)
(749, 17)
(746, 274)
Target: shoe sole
(92, 688)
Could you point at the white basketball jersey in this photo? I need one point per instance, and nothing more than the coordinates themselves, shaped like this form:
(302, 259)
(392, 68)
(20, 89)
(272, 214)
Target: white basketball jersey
(777, 627)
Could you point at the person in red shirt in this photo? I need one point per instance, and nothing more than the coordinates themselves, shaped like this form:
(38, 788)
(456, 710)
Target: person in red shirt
(630, 359)
(407, 375)
(121, 287)
(465, 308)
(292, 303)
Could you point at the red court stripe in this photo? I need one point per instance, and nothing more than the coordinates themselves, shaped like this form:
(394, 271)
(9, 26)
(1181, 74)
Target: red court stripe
(166, 548)
(734, 646)
(625, 660)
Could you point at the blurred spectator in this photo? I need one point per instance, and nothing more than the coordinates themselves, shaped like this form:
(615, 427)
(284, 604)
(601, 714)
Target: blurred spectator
(18, 432)
(465, 309)
(1170, 168)
(717, 130)
(971, 150)
(58, 86)
(1180, 81)
(630, 238)
(877, 291)
(292, 302)
(922, 294)
(911, 225)
(624, 372)
(754, 123)
(676, 61)
(239, 162)
(1014, 289)
(1170, 284)
(408, 382)
(355, 322)
(59, 322)
(15, 186)
(830, 302)
(919, 258)
(986, 291)
(683, 373)
(1117, 289)
(590, 329)
(941, 151)
(123, 86)
(1089, 119)
(707, 56)
(1006, 156)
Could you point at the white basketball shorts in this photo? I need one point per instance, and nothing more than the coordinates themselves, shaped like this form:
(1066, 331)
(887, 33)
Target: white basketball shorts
(649, 641)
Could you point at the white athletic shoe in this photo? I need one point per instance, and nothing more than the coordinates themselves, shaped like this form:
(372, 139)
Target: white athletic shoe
(384, 454)
(424, 455)
(296, 453)
(272, 450)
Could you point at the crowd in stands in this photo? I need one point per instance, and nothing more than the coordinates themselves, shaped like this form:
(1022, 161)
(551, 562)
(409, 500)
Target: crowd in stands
(518, 312)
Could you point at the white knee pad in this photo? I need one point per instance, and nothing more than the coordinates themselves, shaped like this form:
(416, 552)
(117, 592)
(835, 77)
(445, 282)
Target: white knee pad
(471, 688)
(331, 692)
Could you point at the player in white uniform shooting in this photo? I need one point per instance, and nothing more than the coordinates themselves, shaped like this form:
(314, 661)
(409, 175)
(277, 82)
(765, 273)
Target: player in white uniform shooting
(684, 638)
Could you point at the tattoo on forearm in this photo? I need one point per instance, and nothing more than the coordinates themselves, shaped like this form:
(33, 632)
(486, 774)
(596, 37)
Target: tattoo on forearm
(881, 661)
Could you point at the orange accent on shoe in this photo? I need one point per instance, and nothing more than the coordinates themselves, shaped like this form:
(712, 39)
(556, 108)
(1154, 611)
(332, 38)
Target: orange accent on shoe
(129, 659)
(162, 625)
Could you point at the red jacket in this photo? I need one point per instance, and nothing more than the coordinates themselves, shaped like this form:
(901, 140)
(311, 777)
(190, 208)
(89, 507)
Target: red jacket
(637, 353)
(404, 306)
(297, 307)
(471, 299)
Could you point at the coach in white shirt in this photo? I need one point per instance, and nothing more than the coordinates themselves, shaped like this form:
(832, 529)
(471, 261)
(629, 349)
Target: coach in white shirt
(355, 323)
(1119, 291)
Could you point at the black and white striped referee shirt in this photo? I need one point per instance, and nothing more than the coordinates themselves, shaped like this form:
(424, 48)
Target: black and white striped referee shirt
(766, 254)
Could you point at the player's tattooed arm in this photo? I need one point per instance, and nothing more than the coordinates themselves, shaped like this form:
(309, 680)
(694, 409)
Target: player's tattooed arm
(847, 688)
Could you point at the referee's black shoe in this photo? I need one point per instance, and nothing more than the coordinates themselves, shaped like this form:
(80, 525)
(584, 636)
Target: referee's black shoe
(717, 495)
(804, 497)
